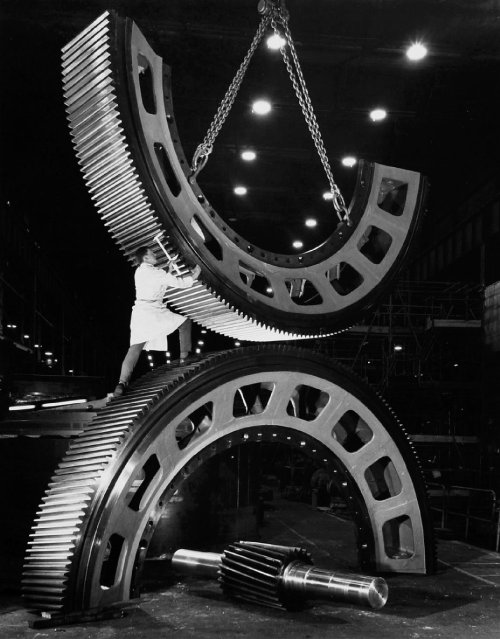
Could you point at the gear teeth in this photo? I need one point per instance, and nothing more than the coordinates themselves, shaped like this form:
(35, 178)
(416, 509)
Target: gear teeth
(415, 459)
(55, 558)
(97, 118)
(252, 571)
(64, 509)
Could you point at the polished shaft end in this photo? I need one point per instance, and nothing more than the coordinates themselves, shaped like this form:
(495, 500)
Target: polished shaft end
(326, 584)
(193, 562)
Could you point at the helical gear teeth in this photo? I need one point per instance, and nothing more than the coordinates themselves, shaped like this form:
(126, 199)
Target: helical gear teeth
(56, 560)
(95, 95)
(252, 571)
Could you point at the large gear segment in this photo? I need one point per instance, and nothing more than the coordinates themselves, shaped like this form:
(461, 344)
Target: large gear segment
(120, 112)
(103, 503)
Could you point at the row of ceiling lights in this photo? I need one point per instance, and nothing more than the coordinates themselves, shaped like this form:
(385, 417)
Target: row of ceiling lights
(415, 52)
(49, 355)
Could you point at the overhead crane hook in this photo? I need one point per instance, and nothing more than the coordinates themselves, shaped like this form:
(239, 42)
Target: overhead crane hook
(268, 7)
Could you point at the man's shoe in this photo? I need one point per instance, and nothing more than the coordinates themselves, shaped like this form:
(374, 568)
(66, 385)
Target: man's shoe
(120, 389)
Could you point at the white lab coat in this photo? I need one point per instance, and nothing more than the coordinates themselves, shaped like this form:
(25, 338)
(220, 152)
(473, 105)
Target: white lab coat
(151, 320)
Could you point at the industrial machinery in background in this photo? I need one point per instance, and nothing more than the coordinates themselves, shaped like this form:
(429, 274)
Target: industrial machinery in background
(91, 535)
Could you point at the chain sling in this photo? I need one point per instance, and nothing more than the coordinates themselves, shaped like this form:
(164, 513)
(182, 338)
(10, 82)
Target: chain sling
(273, 14)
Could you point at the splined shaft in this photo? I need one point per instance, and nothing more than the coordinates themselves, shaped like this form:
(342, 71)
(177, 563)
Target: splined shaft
(279, 576)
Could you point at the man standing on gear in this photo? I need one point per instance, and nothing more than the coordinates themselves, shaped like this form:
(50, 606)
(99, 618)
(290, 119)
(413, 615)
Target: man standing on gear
(151, 320)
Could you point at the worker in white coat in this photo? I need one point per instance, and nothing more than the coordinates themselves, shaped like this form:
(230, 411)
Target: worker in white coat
(151, 320)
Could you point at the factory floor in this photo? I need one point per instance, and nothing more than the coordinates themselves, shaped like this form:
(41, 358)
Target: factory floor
(460, 601)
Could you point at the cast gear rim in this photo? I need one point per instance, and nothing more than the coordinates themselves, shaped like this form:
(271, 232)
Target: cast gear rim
(120, 112)
(94, 524)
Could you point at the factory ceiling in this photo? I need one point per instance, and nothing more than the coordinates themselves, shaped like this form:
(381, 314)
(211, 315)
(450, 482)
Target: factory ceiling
(442, 112)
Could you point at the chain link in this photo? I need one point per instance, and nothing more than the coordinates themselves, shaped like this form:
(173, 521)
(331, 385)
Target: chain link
(299, 85)
(205, 148)
(274, 13)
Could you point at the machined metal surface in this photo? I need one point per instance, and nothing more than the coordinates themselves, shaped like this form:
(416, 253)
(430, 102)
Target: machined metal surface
(98, 515)
(120, 112)
(92, 531)
(312, 582)
(278, 576)
(195, 562)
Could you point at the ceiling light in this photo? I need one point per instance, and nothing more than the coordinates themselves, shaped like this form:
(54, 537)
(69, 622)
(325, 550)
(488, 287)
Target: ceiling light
(297, 244)
(398, 347)
(327, 195)
(311, 222)
(378, 114)
(417, 51)
(275, 42)
(261, 107)
(349, 160)
(240, 190)
(248, 156)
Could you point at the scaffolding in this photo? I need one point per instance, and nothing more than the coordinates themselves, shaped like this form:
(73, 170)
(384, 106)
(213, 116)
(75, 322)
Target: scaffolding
(405, 334)
(422, 349)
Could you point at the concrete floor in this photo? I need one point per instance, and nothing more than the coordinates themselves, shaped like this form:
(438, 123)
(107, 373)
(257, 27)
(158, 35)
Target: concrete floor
(461, 601)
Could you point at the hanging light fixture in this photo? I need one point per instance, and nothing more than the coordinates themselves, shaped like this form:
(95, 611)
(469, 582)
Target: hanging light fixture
(261, 107)
(416, 52)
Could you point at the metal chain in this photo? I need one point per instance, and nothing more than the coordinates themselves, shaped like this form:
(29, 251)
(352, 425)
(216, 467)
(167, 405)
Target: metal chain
(204, 149)
(273, 13)
(299, 85)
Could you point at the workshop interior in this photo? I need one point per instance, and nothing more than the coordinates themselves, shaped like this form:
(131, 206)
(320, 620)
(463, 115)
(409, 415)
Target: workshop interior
(326, 458)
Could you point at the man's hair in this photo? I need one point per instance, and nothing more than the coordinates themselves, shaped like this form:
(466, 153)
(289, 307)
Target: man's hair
(140, 253)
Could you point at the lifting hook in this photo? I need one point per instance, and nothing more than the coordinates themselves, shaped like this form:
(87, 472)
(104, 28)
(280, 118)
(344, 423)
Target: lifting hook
(269, 7)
